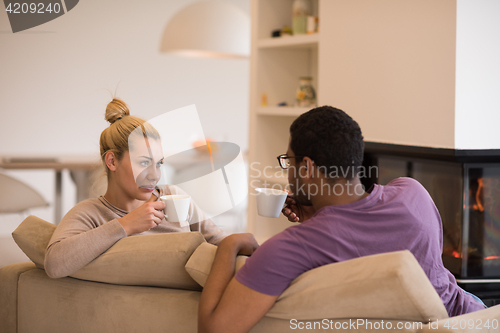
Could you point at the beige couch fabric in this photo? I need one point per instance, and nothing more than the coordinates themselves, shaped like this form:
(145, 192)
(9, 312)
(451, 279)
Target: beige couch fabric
(394, 281)
(32, 236)
(200, 263)
(274, 325)
(9, 276)
(71, 305)
(146, 260)
(364, 288)
(483, 321)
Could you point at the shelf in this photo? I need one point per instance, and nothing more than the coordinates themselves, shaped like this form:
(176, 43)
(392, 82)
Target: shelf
(282, 111)
(276, 66)
(290, 42)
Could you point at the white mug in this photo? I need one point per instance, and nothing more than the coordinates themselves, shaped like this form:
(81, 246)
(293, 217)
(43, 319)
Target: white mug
(270, 201)
(176, 207)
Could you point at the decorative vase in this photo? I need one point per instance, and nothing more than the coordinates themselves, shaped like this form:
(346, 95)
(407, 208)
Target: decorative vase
(306, 96)
(300, 10)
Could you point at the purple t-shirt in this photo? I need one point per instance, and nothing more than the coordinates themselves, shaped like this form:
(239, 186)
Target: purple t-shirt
(398, 216)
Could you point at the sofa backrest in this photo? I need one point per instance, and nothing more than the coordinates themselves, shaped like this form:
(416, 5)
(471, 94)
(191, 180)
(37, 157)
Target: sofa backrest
(388, 285)
(146, 260)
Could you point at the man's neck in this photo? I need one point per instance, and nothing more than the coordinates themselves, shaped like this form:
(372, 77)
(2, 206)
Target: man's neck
(341, 192)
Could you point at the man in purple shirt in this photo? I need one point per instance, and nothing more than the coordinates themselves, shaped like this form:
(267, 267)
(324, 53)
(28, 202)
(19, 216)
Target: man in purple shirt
(339, 221)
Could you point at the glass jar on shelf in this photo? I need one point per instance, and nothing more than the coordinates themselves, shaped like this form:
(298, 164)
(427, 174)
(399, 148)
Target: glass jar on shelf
(306, 95)
(301, 9)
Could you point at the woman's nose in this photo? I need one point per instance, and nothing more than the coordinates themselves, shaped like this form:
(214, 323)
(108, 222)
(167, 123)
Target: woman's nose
(153, 173)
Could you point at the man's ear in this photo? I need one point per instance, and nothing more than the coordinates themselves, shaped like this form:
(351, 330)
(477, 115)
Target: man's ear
(309, 167)
(110, 160)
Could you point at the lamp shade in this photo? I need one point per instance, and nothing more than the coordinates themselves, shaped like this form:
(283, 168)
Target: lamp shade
(210, 28)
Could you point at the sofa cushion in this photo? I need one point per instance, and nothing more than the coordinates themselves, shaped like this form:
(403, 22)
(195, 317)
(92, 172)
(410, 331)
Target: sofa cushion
(32, 236)
(394, 281)
(200, 263)
(146, 260)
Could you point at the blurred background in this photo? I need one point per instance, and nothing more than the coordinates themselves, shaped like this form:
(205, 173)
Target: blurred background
(57, 79)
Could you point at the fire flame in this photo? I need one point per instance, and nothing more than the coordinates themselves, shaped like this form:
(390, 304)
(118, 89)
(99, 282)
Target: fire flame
(479, 204)
(459, 255)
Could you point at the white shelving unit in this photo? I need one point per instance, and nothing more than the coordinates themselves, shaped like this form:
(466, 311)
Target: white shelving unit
(397, 78)
(281, 111)
(275, 68)
(290, 42)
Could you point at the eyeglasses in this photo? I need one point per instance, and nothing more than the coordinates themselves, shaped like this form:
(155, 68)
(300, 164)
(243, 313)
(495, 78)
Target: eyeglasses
(284, 160)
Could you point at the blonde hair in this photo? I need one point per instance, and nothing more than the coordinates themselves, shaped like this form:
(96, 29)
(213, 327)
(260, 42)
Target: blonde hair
(115, 138)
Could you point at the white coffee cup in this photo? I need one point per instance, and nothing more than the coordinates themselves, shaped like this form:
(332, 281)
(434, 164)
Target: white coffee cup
(176, 207)
(270, 201)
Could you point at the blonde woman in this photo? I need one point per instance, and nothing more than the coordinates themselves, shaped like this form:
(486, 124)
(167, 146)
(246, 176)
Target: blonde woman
(132, 155)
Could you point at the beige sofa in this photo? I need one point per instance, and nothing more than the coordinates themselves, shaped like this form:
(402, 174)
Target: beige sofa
(152, 284)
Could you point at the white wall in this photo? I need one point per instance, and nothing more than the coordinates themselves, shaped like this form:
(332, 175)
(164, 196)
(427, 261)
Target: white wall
(477, 115)
(415, 72)
(390, 64)
(55, 79)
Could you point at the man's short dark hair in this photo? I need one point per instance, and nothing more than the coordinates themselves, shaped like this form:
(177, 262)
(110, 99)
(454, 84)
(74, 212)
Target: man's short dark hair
(331, 138)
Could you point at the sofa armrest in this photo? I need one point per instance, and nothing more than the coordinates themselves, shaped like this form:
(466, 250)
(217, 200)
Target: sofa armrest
(9, 276)
(200, 263)
(482, 321)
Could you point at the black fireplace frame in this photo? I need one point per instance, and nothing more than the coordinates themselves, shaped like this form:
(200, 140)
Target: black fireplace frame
(487, 288)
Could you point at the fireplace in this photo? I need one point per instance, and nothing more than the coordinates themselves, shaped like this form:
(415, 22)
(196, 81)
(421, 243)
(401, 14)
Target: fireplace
(465, 185)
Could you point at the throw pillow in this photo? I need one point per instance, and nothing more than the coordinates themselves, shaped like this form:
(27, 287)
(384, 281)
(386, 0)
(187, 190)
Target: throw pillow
(200, 263)
(32, 236)
(146, 260)
(377, 286)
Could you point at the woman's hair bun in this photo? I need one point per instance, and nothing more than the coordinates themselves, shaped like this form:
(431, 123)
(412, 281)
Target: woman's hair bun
(115, 110)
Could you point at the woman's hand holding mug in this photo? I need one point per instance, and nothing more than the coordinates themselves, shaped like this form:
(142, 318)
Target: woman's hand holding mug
(143, 218)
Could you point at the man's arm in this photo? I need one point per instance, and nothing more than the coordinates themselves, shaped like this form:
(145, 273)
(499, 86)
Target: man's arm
(226, 305)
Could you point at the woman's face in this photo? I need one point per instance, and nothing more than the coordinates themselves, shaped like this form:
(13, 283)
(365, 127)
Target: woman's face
(140, 168)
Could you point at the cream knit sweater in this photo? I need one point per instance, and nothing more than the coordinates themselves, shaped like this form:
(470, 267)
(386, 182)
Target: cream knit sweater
(92, 227)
